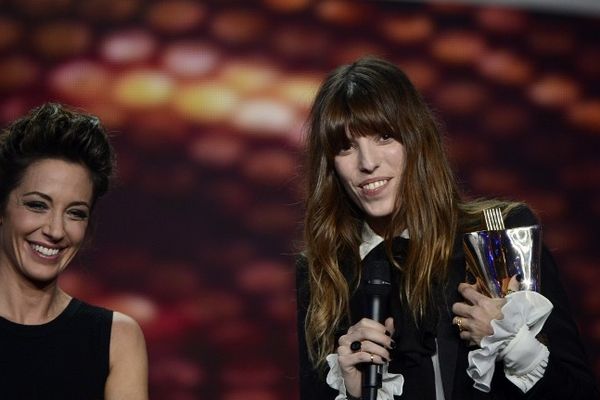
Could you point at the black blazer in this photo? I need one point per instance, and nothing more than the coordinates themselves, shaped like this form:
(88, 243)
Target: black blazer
(567, 376)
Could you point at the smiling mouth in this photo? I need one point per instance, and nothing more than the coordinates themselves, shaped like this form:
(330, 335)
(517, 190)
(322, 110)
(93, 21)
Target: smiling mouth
(374, 185)
(44, 251)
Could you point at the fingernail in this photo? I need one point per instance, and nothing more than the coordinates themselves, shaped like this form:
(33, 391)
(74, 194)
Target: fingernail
(519, 277)
(387, 333)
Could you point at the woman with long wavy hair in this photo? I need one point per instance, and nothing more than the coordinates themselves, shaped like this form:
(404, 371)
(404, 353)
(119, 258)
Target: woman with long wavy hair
(379, 187)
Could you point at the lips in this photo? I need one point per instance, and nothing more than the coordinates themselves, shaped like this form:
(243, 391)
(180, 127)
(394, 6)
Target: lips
(373, 186)
(44, 251)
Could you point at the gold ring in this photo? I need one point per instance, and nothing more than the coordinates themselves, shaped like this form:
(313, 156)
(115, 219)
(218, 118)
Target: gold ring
(509, 291)
(459, 323)
(371, 357)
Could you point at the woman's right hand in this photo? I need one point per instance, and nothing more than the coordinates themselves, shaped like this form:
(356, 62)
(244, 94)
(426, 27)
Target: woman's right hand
(375, 340)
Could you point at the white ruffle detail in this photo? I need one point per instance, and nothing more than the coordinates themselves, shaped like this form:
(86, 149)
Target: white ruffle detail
(392, 384)
(513, 340)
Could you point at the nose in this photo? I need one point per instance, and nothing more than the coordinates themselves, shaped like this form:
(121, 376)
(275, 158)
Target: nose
(54, 228)
(368, 156)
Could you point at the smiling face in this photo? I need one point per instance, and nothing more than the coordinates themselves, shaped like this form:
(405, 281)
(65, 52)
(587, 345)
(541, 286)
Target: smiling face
(45, 219)
(370, 170)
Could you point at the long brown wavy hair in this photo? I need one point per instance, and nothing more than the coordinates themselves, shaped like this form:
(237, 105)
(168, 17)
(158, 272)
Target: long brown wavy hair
(373, 96)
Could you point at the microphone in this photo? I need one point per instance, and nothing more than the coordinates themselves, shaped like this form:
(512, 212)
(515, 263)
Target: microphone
(377, 290)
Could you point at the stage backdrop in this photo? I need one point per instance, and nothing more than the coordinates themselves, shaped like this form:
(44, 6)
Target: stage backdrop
(206, 102)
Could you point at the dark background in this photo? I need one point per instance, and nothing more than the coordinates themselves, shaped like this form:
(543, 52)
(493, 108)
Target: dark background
(206, 101)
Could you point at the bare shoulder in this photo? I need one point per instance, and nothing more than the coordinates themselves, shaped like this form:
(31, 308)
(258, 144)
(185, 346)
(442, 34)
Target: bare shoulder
(125, 329)
(128, 376)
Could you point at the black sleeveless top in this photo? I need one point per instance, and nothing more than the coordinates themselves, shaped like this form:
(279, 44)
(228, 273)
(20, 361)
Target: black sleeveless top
(66, 358)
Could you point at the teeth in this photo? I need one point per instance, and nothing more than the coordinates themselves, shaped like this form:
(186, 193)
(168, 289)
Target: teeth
(44, 250)
(375, 185)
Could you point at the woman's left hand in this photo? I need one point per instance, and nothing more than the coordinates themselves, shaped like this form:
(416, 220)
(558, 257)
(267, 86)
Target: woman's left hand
(474, 316)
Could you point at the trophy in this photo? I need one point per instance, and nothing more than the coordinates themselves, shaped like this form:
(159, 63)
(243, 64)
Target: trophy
(495, 255)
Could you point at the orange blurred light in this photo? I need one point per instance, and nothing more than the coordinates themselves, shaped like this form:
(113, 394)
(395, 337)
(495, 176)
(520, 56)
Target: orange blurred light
(239, 26)
(505, 67)
(458, 47)
(80, 80)
(299, 42)
(270, 167)
(191, 59)
(502, 20)
(461, 97)
(143, 89)
(206, 102)
(423, 74)
(176, 16)
(348, 52)
(247, 77)
(62, 39)
(554, 91)
(128, 47)
(287, 6)
(299, 90)
(264, 116)
(217, 150)
(343, 12)
(407, 29)
(585, 114)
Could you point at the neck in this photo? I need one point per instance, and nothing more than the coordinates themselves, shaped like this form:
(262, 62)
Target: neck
(24, 302)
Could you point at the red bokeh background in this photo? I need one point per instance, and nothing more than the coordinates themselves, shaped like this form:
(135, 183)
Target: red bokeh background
(206, 102)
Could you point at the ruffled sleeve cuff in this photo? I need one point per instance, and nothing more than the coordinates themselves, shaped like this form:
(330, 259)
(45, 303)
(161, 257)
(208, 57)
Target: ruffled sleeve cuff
(392, 383)
(513, 340)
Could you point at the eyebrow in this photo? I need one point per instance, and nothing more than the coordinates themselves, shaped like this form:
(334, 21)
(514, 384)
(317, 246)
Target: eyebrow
(48, 198)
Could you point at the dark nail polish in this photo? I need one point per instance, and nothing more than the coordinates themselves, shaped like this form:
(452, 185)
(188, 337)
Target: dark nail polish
(387, 333)
(393, 345)
(519, 277)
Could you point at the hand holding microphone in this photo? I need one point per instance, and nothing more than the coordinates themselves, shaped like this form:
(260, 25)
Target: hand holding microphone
(365, 347)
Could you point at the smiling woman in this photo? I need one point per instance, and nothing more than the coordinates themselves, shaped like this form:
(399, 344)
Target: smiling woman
(54, 165)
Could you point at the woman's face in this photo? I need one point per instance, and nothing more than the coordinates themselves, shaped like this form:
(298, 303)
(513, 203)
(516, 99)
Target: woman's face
(45, 220)
(370, 170)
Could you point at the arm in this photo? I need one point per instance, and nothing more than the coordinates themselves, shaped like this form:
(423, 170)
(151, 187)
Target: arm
(128, 374)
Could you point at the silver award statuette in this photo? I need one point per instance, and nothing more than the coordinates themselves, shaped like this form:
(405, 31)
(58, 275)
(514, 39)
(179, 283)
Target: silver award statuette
(494, 256)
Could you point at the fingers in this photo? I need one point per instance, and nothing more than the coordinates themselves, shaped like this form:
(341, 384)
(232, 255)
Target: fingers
(389, 326)
(368, 329)
(471, 293)
(513, 284)
(373, 340)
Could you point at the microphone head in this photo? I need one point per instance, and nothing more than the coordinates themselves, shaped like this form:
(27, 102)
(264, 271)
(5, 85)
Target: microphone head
(378, 276)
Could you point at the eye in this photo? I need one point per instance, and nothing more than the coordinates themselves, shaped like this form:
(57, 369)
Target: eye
(78, 214)
(36, 205)
(385, 137)
(345, 146)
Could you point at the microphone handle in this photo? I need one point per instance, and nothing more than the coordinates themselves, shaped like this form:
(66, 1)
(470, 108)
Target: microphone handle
(372, 373)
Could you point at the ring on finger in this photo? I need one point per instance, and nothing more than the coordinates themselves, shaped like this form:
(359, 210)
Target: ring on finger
(355, 346)
(371, 357)
(459, 323)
